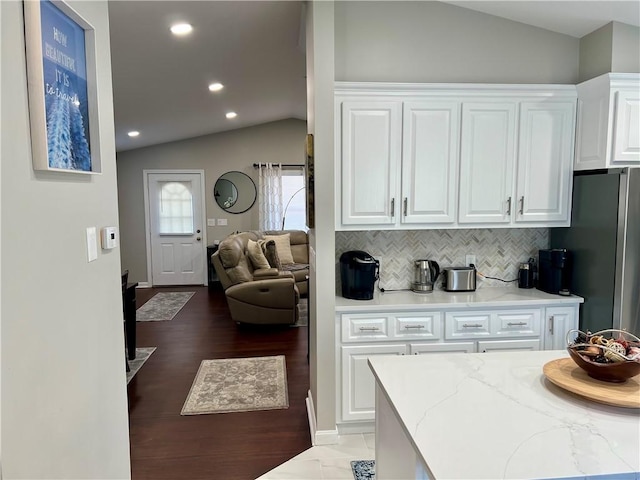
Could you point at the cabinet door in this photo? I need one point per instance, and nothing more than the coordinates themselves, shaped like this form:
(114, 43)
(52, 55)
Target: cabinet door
(486, 162)
(358, 383)
(558, 321)
(370, 161)
(545, 160)
(430, 161)
(508, 345)
(626, 129)
(451, 347)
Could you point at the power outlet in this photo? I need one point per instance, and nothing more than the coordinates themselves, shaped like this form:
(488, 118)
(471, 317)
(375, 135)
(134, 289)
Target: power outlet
(470, 259)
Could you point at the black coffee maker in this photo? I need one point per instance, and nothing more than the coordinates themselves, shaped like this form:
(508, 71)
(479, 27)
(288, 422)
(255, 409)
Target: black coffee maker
(358, 274)
(555, 271)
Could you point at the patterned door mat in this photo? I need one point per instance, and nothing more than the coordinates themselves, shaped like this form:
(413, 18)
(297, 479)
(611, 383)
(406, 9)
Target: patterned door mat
(364, 469)
(238, 385)
(162, 306)
(142, 355)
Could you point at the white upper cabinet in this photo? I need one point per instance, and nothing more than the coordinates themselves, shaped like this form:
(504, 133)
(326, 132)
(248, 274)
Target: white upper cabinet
(545, 157)
(487, 162)
(371, 151)
(608, 129)
(417, 156)
(429, 161)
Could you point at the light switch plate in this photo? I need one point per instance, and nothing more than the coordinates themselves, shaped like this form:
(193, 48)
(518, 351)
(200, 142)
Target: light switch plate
(222, 221)
(211, 222)
(92, 244)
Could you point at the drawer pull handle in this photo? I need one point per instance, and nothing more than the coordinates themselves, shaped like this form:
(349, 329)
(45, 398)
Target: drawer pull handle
(516, 324)
(369, 329)
(472, 325)
(409, 327)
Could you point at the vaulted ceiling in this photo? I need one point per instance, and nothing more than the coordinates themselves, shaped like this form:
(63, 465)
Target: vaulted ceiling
(256, 50)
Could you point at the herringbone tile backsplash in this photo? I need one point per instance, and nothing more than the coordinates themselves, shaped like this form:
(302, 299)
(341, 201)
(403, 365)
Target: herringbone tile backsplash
(498, 251)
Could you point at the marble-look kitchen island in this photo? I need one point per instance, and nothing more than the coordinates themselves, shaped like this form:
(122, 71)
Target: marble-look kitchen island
(490, 416)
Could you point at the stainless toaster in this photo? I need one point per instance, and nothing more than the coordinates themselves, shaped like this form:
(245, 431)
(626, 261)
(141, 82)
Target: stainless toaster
(459, 279)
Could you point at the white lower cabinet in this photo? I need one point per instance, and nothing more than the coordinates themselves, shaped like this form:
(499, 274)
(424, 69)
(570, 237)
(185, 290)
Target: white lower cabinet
(558, 321)
(358, 384)
(430, 331)
(453, 347)
(508, 345)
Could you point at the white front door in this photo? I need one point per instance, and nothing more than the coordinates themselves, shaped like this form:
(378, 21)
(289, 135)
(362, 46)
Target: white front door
(175, 228)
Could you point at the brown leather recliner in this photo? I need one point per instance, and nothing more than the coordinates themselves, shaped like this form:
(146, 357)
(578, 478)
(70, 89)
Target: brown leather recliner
(265, 295)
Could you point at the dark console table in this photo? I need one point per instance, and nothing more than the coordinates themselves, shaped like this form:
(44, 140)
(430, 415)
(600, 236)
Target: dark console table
(129, 301)
(214, 281)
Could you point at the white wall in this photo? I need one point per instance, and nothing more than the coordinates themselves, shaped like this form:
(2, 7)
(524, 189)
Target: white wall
(320, 74)
(625, 56)
(595, 52)
(397, 41)
(64, 406)
(275, 142)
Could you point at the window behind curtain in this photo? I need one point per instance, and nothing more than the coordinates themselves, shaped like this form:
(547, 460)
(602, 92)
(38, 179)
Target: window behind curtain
(176, 208)
(296, 215)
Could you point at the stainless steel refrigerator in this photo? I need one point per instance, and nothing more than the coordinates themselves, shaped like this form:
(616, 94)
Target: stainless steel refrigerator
(604, 239)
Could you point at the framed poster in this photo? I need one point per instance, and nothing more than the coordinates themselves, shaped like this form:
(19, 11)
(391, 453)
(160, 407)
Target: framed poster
(61, 79)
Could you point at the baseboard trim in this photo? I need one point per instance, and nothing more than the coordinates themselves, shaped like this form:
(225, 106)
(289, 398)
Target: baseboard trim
(318, 437)
(311, 415)
(143, 285)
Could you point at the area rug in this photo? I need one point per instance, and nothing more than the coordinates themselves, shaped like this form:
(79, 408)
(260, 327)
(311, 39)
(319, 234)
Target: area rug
(142, 355)
(162, 306)
(303, 316)
(238, 385)
(363, 469)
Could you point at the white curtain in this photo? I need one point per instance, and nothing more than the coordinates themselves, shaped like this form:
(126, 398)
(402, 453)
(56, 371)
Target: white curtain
(270, 196)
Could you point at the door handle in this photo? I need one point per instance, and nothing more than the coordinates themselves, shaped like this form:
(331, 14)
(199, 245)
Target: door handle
(509, 206)
(198, 239)
(197, 231)
(551, 324)
(521, 205)
(393, 207)
(405, 206)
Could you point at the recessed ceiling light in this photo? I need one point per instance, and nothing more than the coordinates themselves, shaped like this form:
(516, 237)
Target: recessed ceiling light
(231, 115)
(133, 133)
(181, 29)
(216, 87)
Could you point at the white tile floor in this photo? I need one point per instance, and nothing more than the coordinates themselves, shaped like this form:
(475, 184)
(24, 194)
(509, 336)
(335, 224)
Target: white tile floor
(326, 462)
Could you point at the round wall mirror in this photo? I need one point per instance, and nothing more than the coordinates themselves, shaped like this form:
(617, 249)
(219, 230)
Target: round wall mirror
(235, 192)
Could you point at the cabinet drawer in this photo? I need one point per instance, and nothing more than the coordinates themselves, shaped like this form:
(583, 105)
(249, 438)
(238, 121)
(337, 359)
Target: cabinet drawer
(418, 325)
(365, 327)
(467, 324)
(517, 323)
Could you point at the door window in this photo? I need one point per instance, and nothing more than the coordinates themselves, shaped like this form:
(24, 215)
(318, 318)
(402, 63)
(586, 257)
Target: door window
(175, 208)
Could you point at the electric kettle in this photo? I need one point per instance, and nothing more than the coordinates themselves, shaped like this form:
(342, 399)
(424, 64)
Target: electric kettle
(425, 275)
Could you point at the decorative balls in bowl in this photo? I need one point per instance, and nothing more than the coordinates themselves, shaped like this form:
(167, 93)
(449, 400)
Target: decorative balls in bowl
(608, 355)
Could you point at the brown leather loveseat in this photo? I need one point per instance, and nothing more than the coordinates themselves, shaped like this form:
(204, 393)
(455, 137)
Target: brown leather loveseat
(259, 292)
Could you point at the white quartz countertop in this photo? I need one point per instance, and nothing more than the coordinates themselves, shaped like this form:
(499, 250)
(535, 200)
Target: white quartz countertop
(481, 416)
(484, 297)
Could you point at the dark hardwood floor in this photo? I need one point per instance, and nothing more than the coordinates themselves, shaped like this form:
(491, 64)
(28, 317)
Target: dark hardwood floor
(166, 445)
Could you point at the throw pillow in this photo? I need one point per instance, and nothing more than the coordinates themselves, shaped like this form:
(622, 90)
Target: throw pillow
(283, 247)
(254, 252)
(269, 249)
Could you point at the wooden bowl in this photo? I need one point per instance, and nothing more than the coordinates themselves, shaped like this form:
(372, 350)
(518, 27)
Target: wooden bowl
(607, 372)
